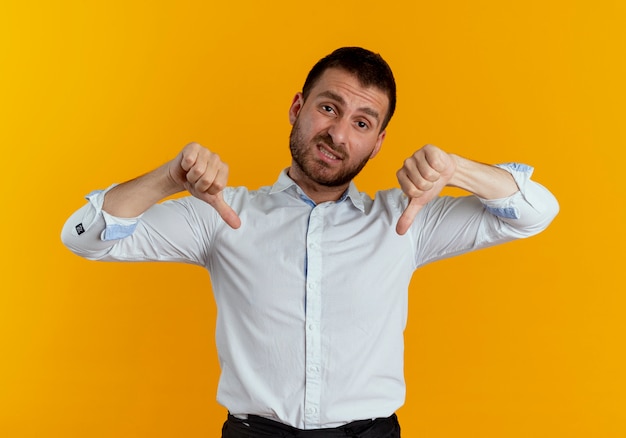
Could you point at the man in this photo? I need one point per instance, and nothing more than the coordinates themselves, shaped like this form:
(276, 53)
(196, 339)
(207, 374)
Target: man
(310, 276)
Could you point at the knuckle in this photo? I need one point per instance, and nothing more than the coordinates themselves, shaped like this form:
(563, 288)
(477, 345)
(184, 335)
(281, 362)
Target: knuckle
(430, 175)
(438, 163)
(186, 163)
(413, 192)
(186, 156)
(215, 162)
(424, 185)
(218, 186)
(192, 147)
(191, 176)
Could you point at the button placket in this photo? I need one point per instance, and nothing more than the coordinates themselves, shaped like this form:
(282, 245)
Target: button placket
(313, 319)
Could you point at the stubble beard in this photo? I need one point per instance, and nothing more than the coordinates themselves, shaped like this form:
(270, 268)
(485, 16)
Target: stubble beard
(315, 169)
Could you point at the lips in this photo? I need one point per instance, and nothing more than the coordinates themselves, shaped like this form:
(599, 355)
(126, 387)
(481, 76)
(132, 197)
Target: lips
(327, 153)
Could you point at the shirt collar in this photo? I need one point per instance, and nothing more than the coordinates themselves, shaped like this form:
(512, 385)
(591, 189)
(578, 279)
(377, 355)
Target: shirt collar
(284, 182)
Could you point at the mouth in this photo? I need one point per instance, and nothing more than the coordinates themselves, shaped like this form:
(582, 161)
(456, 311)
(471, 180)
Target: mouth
(327, 153)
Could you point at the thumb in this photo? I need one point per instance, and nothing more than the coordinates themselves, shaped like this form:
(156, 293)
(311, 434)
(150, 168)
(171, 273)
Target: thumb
(408, 215)
(225, 211)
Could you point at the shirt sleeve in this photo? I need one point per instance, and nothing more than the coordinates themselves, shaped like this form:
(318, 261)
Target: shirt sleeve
(175, 230)
(449, 226)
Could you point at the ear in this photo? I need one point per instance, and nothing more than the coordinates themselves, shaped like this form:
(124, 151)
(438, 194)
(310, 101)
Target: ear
(379, 143)
(296, 106)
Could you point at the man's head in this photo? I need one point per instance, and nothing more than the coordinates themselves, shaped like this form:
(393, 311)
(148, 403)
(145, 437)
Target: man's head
(339, 120)
(369, 68)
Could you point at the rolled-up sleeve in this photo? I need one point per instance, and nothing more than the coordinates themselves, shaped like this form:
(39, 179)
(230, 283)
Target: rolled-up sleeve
(531, 209)
(173, 231)
(90, 232)
(450, 226)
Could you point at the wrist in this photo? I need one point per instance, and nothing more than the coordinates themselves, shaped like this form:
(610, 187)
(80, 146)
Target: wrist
(457, 178)
(133, 197)
(483, 180)
(167, 180)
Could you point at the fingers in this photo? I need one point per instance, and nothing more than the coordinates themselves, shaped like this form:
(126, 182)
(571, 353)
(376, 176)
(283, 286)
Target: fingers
(422, 177)
(206, 177)
(408, 216)
(226, 212)
(204, 170)
(422, 170)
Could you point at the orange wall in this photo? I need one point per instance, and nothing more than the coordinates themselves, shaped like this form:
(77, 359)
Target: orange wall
(523, 340)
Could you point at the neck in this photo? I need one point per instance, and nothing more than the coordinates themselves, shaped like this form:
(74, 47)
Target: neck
(317, 192)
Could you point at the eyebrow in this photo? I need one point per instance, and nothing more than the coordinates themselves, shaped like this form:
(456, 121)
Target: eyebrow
(332, 95)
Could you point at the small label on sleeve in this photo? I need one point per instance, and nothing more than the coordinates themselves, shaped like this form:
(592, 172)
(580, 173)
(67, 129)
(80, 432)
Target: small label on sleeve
(80, 229)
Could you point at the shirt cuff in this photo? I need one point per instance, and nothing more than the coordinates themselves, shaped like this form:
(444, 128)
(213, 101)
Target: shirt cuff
(115, 227)
(507, 208)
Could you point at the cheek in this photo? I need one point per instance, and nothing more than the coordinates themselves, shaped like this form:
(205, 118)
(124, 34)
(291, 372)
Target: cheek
(366, 148)
(307, 126)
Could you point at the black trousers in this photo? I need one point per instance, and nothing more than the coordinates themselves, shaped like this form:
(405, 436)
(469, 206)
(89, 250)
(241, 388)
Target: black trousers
(259, 427)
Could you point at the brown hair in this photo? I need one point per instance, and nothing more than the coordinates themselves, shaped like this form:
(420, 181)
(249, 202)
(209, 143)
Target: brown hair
(369, 68)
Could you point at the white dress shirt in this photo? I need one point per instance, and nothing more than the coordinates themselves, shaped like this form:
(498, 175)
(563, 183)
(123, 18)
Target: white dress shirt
(312, 299)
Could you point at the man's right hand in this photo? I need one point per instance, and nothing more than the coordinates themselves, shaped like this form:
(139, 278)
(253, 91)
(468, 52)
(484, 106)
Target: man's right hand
(203, 174)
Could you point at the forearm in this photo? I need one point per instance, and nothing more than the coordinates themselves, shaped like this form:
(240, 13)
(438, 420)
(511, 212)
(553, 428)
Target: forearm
(113, 214)
(507, 192)
(484, 181)
(527, 211)
(134, 197)
(450, 226)
(167, 231)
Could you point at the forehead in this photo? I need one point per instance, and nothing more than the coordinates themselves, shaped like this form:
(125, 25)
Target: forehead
(346, 85)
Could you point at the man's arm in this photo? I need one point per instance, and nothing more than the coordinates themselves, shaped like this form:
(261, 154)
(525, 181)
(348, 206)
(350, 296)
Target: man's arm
(114, 214)
(195, 169)
(430, 169)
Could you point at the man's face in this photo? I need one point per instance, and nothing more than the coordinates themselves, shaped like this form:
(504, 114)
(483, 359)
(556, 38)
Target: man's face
(336, 130)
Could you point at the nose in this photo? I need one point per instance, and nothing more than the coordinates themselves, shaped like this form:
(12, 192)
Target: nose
(339, 131)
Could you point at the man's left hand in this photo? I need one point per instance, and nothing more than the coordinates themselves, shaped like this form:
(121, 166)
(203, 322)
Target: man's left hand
(423, 176)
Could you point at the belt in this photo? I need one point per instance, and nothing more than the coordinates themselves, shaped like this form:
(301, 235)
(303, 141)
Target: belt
(264, 427)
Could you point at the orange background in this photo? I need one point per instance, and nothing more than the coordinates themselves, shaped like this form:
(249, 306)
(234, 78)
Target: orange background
(522, 340)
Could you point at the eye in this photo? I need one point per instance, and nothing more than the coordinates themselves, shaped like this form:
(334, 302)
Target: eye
(328, 109)
(362, 124)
